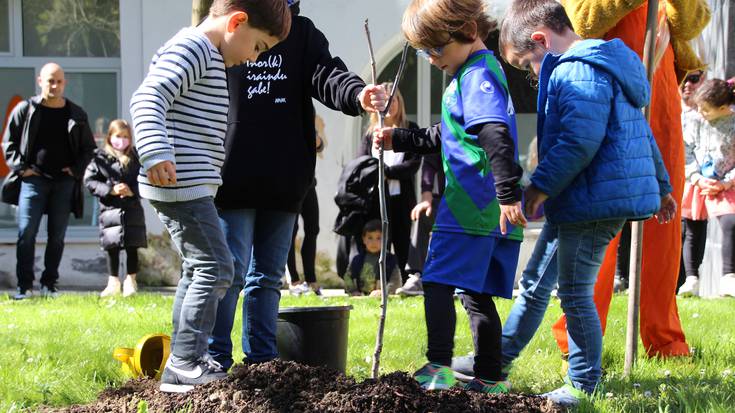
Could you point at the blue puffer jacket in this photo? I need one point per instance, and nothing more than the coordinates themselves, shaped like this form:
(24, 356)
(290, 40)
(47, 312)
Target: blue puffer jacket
(597, 156)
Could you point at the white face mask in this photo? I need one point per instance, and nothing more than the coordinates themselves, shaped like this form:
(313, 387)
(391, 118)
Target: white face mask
(119, 142)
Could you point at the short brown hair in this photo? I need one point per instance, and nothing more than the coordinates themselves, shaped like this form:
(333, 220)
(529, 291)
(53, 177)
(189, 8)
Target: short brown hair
(434, 23)
(524, 17)
(270, 16)
(374, 225)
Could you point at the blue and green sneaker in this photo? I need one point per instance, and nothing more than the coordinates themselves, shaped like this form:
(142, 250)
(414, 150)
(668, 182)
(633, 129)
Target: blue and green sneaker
(435, 377)
(487, 386)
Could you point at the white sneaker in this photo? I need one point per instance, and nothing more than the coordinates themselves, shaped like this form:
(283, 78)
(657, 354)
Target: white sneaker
(412, 286)
(727, 285)
(22, 294)
(113, 287)
(49, 292)
(690, 288)
(299, 289)
(619, 285)
(130, 286)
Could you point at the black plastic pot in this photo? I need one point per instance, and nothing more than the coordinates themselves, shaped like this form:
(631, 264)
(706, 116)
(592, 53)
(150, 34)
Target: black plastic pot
(316, 336)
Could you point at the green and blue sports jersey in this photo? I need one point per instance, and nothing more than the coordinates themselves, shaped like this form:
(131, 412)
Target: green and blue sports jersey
(477, 94)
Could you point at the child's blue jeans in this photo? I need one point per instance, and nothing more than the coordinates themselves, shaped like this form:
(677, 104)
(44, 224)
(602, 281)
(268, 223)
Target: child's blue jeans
(206, 272)
(570, 255)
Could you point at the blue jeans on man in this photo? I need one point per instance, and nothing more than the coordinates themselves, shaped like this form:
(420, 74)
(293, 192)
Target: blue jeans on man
(569, 255)
(259, 241)
(206, 272)
(40, 195)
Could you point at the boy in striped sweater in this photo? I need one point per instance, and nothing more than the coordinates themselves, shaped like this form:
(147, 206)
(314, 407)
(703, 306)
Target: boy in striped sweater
(180, 119)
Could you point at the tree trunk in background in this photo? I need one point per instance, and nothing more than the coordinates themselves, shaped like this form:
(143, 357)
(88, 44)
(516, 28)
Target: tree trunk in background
(199, 10)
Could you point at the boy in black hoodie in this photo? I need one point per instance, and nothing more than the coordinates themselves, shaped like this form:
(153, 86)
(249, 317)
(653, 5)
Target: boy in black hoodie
(269, 167)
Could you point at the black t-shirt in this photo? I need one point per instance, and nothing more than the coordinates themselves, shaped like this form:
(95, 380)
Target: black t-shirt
(51, 150)
(271, 139)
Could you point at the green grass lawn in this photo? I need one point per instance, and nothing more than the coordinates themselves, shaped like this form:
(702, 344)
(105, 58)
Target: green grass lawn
(59, 352)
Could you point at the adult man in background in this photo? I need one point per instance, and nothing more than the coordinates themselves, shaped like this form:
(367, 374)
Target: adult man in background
(47, 145)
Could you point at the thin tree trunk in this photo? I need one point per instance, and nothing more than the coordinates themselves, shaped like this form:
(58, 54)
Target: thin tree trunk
(199, 10)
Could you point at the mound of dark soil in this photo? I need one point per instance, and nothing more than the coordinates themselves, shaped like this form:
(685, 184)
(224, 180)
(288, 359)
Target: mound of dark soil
(281, 386)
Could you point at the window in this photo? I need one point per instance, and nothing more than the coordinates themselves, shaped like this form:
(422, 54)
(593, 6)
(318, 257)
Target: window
(83, 36)
(96, 93)
(71, 28)
(4, 26)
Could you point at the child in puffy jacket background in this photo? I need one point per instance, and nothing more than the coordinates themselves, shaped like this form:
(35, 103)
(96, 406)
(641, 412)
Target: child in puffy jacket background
(112, 176)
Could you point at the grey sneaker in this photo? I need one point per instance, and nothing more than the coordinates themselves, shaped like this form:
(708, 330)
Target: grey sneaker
(181, 379)
(49, 292)
(22, 294)
(412, 286)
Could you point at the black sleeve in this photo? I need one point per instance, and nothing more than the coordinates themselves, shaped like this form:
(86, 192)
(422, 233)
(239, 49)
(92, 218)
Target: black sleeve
(421, 141)
(96, 181)
(332, 84)
(13, 137)
(430, 171)
(495, 139)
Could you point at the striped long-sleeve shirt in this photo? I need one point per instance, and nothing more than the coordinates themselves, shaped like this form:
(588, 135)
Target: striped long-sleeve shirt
(180, 115)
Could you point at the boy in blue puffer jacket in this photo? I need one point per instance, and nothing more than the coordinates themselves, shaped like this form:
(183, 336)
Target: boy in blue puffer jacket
(599, 166)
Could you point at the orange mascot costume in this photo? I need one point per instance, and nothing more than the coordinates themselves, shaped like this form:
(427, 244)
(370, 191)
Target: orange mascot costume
(660, 326)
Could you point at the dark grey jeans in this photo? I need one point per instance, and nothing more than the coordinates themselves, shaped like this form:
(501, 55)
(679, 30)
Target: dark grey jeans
(206, 272)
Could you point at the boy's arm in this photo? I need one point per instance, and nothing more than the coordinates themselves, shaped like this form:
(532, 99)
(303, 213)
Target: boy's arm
(495, 139)
(584, 109)
(332, 84)
(170, 75)
(421, 141)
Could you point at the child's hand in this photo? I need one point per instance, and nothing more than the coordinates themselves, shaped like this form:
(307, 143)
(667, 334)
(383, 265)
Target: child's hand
(668, 209)
(385, 136)
(376, 293)
(419, 208)
(123, 190)
(512, 213)
(373, 98)
(710, 187)
(534, 199)
(162, 174)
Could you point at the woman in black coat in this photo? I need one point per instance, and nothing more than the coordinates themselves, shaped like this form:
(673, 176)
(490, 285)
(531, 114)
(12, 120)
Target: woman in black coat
(112, 176)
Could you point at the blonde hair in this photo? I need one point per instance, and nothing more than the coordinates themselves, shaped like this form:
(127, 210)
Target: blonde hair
(429, 24)
(116, 126)
(400, 120)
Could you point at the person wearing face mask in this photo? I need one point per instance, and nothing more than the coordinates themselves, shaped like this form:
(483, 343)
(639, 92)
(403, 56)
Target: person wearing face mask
(112, 176)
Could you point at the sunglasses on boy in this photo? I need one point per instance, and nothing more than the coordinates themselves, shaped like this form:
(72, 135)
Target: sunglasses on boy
(693, 78)
(429, 53)
(435, 52)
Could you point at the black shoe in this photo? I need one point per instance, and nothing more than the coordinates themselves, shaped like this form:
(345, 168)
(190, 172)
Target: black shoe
(182, 379)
